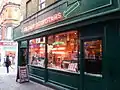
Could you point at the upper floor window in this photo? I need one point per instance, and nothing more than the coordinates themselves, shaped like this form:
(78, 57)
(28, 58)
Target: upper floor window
(44, 3)
(9, 33)
(28, 8)
(41, 4)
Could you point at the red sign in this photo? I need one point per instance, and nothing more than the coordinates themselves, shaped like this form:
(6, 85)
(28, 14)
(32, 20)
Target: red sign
(48, 20)
(8, 44)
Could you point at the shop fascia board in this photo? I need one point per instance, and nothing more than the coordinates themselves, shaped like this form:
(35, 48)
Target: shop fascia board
(60, 3)
(68, 23)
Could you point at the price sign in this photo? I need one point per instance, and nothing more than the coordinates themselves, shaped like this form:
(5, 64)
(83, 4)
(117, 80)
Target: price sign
(72, 67)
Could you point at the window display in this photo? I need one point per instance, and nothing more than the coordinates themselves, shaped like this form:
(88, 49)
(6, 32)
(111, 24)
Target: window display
(63, 51)
(93, 56)
(37, 51)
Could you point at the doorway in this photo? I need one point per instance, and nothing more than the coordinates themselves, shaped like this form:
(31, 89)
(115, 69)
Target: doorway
(92, 60)
(23, 55)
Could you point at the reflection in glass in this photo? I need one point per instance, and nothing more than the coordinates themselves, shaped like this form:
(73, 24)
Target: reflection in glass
(93, 56)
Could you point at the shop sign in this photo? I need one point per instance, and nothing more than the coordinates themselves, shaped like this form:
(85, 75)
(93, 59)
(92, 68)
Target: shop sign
(8, 43)
(48, 20)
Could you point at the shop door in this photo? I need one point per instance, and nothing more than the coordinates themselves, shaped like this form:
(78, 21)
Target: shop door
(23, 56)
(92, 63)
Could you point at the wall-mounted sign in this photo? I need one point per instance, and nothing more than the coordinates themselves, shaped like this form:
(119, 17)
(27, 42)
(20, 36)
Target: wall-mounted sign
(48, 20)
(8, 43)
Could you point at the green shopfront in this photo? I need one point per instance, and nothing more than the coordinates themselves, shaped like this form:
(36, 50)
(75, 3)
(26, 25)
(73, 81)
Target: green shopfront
(73, 44)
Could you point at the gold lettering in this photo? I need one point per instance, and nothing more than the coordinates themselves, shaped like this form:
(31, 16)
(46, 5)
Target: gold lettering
(59, 16)
(48, 20)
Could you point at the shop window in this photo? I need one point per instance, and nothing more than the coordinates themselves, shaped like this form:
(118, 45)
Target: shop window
(93, 56)
(37, 51)
(63, 51)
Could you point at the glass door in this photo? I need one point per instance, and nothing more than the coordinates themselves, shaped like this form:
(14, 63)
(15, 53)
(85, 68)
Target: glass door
(92, 59)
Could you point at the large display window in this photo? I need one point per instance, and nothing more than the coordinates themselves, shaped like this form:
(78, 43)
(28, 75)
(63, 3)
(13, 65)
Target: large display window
(63, 51)
(37, 51)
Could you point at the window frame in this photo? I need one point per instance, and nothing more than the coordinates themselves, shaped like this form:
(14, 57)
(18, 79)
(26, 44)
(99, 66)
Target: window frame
(9, 33)
(27, 3)
(41, 3)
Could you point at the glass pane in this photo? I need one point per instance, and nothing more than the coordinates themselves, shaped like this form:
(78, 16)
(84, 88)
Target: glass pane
(37, 51)
(42, 5)
(41, 1)
(63, 51)
(93, 56)
(9, 33)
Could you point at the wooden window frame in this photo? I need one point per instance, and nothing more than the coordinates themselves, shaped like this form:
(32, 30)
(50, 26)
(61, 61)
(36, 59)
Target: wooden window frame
(41, 3)
(27, 7)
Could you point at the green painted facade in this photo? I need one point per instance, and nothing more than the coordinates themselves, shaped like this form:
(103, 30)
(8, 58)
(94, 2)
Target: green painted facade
(93, 19)
(72, 10)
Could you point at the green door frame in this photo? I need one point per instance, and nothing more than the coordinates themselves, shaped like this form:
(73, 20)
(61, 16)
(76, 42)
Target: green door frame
(19, 44)
(82, 65)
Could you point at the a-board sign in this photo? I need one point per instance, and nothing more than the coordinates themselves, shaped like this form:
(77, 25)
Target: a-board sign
(23, 74)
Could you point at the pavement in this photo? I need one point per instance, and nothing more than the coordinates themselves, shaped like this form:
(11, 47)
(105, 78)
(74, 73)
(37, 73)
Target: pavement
(8, 82)
(12, 70)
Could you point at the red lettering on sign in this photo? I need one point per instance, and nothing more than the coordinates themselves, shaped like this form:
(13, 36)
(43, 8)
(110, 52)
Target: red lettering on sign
(48, 20)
